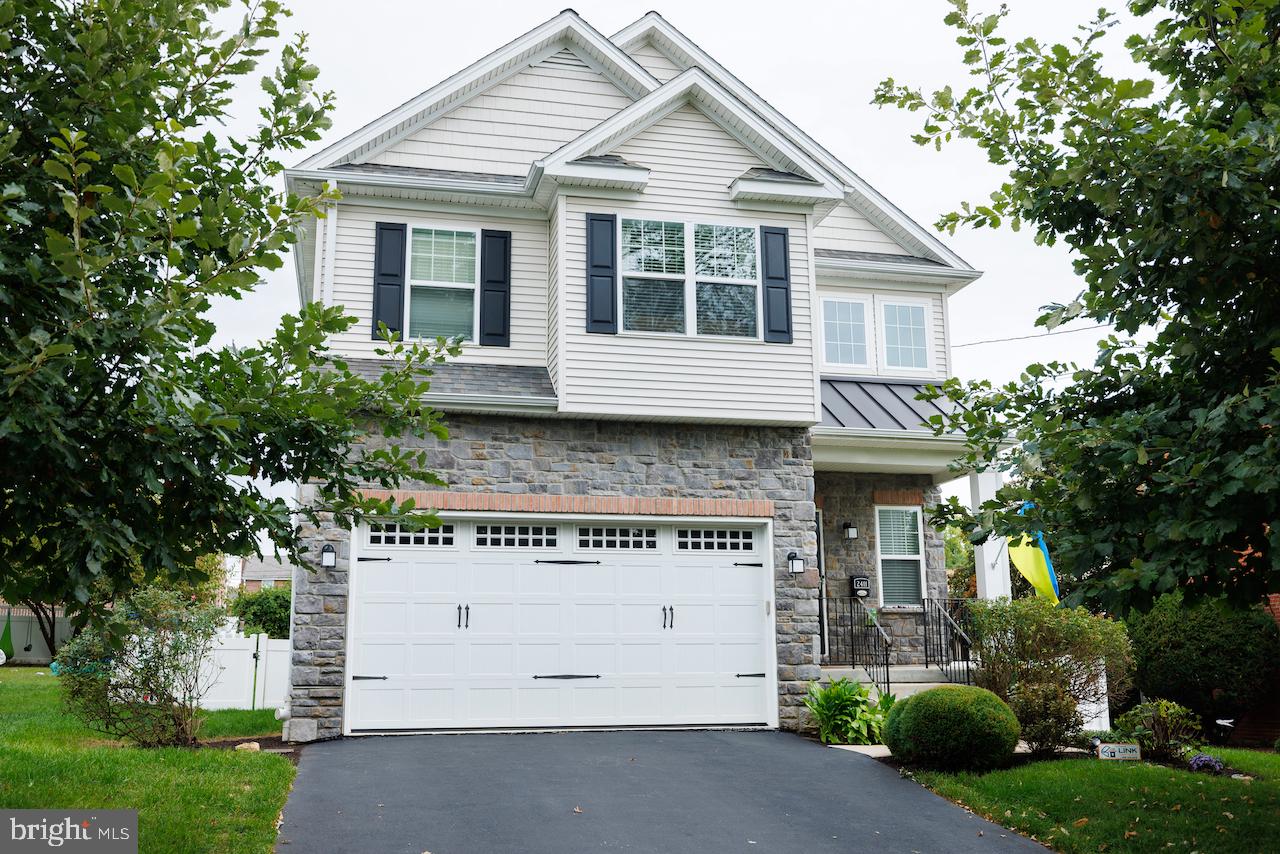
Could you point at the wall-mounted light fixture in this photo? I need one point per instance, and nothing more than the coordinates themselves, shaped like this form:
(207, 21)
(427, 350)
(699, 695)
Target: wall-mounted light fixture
(328, 556)
(850, 531)
(795, 563)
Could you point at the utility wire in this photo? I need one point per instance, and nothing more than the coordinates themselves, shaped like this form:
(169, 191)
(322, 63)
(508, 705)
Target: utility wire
(1025, 337)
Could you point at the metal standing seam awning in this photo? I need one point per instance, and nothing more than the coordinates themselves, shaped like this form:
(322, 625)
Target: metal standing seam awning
(879, 425)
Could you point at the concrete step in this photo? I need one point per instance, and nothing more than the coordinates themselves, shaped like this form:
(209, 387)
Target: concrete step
(904, 679)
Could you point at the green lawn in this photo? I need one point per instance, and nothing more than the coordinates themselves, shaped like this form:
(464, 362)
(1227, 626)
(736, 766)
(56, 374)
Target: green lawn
(1080, 805)
(187, 800)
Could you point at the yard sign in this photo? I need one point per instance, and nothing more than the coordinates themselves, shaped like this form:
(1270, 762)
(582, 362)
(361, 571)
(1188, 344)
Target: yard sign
(1122, 752)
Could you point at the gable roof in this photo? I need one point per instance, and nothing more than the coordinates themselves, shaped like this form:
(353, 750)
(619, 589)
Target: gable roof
(674, 44)
(694, 86)
(567, 28)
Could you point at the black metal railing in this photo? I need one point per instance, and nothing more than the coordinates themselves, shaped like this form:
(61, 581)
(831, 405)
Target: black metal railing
(856, 639)
(946, 643)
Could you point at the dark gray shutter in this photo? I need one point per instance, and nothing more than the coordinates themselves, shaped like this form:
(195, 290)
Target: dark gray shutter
(495, 288)
(602, 273)
(775, 256)
(389, 252)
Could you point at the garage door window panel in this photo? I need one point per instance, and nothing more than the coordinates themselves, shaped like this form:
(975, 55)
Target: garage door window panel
(400, 534)
(617, 539)
(516, 536)
(715, 540)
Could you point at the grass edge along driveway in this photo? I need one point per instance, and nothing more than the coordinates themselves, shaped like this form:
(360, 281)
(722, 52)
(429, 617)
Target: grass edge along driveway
(1085, 805)
(188, 800)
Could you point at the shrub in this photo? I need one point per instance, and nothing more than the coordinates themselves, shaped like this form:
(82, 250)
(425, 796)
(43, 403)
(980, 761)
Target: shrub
(1205, 763)
(1216, 661)
(1164, 730)
(953, 727)
(1048, 715)
(845, 712)
(141, 676)
(1033, 641)
(265, 610)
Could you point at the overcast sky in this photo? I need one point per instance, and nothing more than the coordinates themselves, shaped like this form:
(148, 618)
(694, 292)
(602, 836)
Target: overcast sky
(819, 66)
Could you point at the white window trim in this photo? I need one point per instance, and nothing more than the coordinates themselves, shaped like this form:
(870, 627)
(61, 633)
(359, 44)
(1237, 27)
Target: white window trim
(880, 556)
(409, 281)
(869, 321)
(691, 279)
(930, 357)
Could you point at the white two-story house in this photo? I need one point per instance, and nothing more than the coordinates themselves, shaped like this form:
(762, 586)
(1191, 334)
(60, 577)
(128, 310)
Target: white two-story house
(683, 423)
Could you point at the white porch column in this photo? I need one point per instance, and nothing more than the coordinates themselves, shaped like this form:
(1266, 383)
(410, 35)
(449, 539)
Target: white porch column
(991, 559)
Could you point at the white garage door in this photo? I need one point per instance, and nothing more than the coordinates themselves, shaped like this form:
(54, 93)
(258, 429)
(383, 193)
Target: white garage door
(510, 623)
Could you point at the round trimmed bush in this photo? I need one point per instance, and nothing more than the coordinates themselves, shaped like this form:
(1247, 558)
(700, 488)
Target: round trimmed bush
(952, 727)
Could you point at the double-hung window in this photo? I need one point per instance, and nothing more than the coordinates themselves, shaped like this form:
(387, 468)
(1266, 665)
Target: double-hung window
(900, 554)
(690, 278)
(905, 335)
(845, 336)
(442, 283)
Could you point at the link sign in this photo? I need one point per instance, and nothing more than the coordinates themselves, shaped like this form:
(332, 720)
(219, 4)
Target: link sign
(1121, 752)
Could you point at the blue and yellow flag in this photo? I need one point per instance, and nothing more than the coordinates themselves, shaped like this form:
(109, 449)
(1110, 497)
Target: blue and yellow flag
(1031, 557)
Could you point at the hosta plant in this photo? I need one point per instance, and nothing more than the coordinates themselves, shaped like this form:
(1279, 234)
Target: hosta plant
(846, 713)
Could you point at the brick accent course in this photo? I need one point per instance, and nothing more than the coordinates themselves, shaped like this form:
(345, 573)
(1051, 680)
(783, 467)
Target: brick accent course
(735, 470)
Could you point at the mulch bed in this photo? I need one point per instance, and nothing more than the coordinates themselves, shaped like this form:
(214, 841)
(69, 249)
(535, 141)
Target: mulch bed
(268, 743)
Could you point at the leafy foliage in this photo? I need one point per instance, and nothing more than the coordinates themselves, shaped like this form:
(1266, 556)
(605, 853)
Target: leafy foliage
(845, 712)
(1164, 730)
(1048, 714)
(148, 688)
(131, 446)
(1216, 661)
(1158, 466)
(962, 582)
(1030, 641)
(266, 610)
(952, 727)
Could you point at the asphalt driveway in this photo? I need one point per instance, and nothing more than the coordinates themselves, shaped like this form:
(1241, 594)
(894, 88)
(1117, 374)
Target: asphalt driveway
(561, 793)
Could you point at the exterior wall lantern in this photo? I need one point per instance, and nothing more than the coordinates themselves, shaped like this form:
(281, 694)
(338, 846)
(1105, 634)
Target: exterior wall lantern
(795, 563)
(850, 531)
(328, 556)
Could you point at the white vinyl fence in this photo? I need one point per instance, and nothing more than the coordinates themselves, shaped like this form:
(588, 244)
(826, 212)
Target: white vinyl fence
(252, 672)
(28, 644)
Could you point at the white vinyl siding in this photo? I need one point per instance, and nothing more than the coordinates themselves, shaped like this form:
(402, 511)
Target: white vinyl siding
(845, 228)
(900, 552)
(655, 61)
(353, 280)
(692, 162)
(503, 130)
(876, 297)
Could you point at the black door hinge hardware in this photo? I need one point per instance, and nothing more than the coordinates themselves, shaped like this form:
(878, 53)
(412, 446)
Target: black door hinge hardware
(567, 676)
(362, 559)
(570, 562)
(748, 564)
(749, 675)
(365, 678)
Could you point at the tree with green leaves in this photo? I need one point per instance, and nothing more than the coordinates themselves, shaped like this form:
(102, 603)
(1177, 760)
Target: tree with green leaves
(1158, 466)
(130, 446)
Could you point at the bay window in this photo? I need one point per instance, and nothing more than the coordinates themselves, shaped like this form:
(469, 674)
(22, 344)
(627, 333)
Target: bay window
(689, 278)
(442, 283)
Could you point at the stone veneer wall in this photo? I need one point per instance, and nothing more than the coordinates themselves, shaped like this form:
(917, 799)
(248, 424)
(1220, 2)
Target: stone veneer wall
(570, 457)
(850, 497)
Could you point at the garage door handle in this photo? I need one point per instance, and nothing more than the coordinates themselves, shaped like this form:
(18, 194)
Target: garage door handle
(673, 617)
(366, 678)
(664, 616)
(749, 675)
(467, 624)
(567, 676)
(459, 616)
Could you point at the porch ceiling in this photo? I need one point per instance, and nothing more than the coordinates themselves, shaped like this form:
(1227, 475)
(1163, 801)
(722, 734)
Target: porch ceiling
(885, 451)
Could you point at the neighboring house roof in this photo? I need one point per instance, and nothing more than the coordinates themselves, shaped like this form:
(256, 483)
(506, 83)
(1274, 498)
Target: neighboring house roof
(421, 172)
(879, 404)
